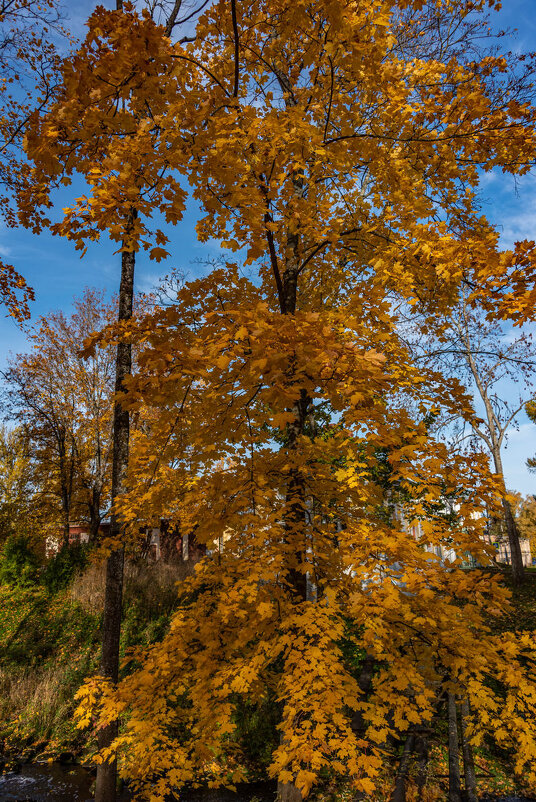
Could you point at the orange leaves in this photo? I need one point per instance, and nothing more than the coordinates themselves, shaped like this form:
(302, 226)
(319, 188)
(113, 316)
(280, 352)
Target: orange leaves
(158, 254)
(221, 378)
(15, 294)
(103, 125)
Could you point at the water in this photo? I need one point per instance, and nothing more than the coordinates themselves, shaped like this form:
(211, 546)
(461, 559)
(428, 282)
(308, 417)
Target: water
(47, 783)
(58, 783)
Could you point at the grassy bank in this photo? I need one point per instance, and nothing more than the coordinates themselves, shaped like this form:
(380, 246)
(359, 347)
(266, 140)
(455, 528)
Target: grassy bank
(50, 641)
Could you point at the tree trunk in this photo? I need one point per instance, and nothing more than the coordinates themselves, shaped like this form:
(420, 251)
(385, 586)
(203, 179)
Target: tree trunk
(64, 490)
(468, 762)
(518, 569)
(295, 513)
(399, 792)
(65, 526)
(365, 685)
(494, 440)
(170, 542)
(288, 792)
(516, 558)
(105, 790)
(421, 749)
(94, 514)
(454, 754)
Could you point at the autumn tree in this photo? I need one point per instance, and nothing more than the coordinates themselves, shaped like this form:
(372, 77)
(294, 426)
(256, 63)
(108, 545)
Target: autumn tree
(342, 159)
(64, 404)
(16, 487)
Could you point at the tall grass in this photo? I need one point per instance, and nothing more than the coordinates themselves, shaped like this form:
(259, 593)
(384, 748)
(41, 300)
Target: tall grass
(50, 642)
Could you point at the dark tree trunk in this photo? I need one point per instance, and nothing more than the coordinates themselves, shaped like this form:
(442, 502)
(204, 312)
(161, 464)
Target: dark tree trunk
(468, 762)
(399, 792)
(365, 685)
(295, 512)
(454, 752)
(65, 526)
(64, 489)
(105, 790)
(94, 514)
(516, 558)
(421, 750)
(170, 542)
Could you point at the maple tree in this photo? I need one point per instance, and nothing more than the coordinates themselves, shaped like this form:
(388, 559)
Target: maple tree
(340, 155)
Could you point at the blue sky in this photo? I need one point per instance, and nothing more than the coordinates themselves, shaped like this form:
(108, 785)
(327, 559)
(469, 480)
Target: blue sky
(55, 271)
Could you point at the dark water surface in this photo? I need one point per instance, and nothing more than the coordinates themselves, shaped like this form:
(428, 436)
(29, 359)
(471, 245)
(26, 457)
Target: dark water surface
(55, 782)
(59, 783)
(47, 783)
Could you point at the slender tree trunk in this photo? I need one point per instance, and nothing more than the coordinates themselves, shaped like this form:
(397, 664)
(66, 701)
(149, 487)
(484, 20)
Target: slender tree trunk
(399, 792)
(66, 519)
(421, 749)
(94, 514)
(295, 514)
(294, 520)
(365, 686)
(64, 491)
(454, 752)
(468, 762)
(516, 557)
(105, 790)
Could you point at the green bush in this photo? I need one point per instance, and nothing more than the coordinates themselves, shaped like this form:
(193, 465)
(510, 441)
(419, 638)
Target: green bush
(256, 732)
(63, 566)
(19, 564)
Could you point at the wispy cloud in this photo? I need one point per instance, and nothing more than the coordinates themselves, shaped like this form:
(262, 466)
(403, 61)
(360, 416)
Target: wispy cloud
(510, 205)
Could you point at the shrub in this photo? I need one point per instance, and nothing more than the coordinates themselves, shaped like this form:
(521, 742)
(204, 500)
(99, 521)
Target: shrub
(63, 566)
(19, 564)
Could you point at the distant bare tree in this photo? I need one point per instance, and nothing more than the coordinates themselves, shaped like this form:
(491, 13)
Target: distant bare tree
(489, 361)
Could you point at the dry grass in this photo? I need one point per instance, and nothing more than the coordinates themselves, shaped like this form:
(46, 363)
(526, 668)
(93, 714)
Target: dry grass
(152, 586)
(34, 705)
(37, 689)
(88, 588)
